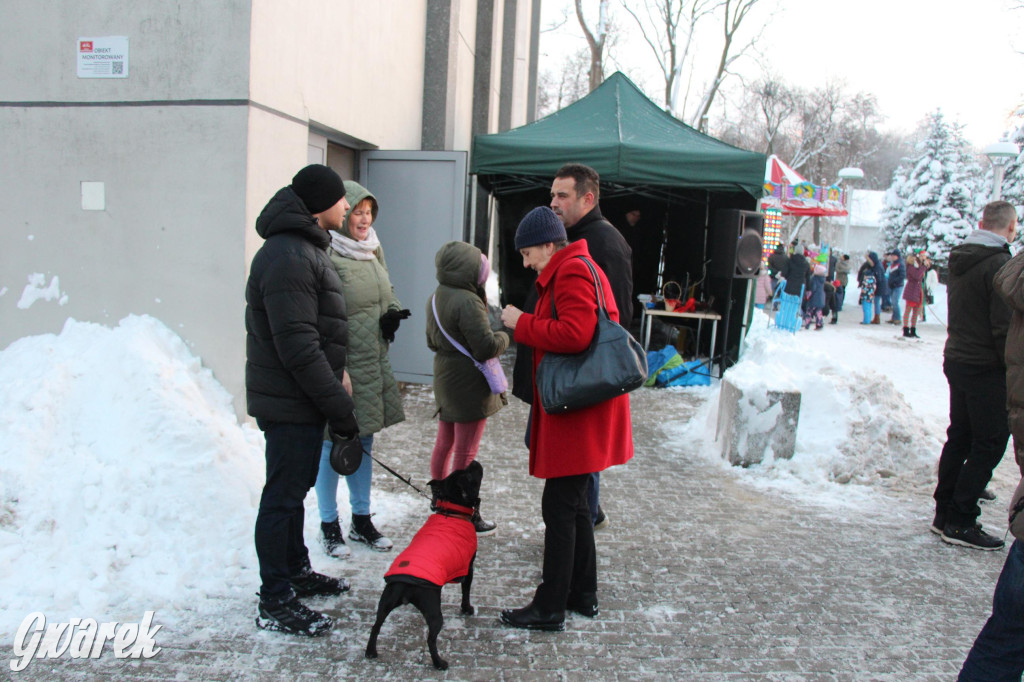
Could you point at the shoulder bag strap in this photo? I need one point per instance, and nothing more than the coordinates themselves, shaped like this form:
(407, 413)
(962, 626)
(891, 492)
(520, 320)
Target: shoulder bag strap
(458, 346)
(597, 290)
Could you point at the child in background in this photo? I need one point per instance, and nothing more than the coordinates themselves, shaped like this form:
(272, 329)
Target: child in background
(866, 282)
(763, 289)
(816, 299)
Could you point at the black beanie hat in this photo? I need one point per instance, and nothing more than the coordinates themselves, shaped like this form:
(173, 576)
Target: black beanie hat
(540, 226)
(318, 186)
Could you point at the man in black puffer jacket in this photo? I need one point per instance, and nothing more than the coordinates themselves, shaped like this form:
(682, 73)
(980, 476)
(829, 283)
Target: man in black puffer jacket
(296, 337)
(975, 367)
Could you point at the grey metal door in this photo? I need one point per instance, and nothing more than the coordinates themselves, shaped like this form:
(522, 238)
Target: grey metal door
(422, 197)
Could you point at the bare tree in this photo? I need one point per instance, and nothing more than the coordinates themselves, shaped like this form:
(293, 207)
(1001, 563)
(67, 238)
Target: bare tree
(595, 40)
(777, 104)
(558, 89)
(733, 14)
(668, 28)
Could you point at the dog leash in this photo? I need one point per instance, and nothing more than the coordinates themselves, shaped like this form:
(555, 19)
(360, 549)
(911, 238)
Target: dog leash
(407, 481)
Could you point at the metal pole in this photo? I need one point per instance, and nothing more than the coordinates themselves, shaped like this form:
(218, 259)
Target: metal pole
(849, 213)
(997, 181)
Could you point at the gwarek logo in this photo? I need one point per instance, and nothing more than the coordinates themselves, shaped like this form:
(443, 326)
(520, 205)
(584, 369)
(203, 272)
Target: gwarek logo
(85, 46)
(82, 638)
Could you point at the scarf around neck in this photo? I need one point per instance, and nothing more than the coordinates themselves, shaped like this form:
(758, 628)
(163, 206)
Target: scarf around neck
(350, 248)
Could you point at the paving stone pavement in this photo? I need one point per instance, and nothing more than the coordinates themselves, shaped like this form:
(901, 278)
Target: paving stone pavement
(701, 577)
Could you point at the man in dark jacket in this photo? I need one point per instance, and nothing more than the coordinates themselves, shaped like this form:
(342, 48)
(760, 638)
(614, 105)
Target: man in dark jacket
(777, 262)
(575, 193)
(296, 337)
(975, 368)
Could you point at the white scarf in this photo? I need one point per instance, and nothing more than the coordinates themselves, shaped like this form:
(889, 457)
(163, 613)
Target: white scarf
(350, 248)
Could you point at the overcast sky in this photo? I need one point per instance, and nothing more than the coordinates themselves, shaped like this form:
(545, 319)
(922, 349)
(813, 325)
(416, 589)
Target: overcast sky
(914, 55)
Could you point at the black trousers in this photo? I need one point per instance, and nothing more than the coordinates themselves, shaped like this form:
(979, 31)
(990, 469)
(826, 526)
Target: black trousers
(570, 562)
(293, 460)
(975, 440)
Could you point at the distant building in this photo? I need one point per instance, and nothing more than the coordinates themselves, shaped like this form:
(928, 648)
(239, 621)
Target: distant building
(141, 140)
(865, 221)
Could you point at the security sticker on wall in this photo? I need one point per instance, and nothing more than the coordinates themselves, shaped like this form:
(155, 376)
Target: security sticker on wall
(105, 57)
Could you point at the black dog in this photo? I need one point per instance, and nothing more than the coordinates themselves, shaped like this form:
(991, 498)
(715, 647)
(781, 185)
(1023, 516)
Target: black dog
(417, 575)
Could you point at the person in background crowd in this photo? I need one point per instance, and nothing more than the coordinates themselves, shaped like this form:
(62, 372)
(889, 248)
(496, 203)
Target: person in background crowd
(763, 289)
(913, 295)
(816, 299)
(463, 396)
(866, 282)
(295, 382)
(843, 268)
(897, 278)
(374, 314)
(565, 448)
(975, 367)
(881, 289)
(930, 284)
(777, 263)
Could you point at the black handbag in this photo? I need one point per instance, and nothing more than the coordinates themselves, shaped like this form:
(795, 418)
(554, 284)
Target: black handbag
(613, 364)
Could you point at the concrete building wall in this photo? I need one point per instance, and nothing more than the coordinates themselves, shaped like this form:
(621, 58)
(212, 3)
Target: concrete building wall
(345, 65)
(222, 104)
(168, 144)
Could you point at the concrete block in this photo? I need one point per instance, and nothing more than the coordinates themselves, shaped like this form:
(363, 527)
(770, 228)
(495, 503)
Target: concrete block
(750, 424)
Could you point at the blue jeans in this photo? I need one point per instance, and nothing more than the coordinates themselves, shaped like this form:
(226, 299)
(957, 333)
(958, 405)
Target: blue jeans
(895, 296)
(998, 652)
(867, 307)
(358, 484)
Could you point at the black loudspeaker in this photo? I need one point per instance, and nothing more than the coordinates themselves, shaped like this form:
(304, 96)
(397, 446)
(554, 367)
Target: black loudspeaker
(737, 241)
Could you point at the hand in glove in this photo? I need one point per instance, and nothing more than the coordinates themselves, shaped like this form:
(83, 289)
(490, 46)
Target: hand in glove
(389, 323)
(344, 428)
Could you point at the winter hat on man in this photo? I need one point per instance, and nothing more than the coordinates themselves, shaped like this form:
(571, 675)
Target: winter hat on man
(540, 226)
(319, 187)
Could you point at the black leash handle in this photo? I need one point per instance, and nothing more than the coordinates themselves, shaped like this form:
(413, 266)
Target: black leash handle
(407, 481)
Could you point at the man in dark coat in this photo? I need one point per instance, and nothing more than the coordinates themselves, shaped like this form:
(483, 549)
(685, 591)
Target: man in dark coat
(777, 262)
(575, 193)
(975, 367)
(296, 337)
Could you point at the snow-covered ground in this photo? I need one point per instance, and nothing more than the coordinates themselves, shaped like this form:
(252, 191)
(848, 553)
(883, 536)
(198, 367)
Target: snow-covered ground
(126, 478)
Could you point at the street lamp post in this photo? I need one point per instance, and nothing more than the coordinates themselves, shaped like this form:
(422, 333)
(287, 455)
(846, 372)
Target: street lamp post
(849, 175)
(1000, 154)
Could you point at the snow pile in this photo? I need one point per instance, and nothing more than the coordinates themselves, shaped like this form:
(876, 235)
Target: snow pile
(125, 478)
(855, 426)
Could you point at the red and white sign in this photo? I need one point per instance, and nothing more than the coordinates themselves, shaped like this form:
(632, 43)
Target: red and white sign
(105, 57)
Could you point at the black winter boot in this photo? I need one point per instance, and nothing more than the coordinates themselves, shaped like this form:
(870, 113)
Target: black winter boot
(363, 530)
(482, 527)
(906, 332)
(913, 333)
(333, 541)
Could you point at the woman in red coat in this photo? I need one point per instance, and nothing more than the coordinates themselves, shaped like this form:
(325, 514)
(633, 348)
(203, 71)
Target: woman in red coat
(565, 448)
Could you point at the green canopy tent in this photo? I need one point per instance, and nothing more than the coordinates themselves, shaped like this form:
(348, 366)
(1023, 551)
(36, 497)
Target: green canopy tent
(634, 144)
(647, 159)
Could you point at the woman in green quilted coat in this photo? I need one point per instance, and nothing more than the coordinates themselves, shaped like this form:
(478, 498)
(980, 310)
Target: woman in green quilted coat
(464, 399)
(373, 317)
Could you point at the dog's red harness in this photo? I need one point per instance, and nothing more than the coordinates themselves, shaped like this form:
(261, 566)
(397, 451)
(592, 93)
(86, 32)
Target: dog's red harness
(441, 550)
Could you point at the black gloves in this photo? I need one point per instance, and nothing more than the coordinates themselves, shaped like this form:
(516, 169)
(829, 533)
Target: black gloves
(389, 323)
(344, 428)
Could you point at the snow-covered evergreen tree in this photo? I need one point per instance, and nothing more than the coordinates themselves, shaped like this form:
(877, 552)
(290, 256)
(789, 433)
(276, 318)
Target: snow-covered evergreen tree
(893, 227)
(938, 193)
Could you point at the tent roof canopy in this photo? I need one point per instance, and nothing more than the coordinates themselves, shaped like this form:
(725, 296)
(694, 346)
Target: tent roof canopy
(626, 138)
